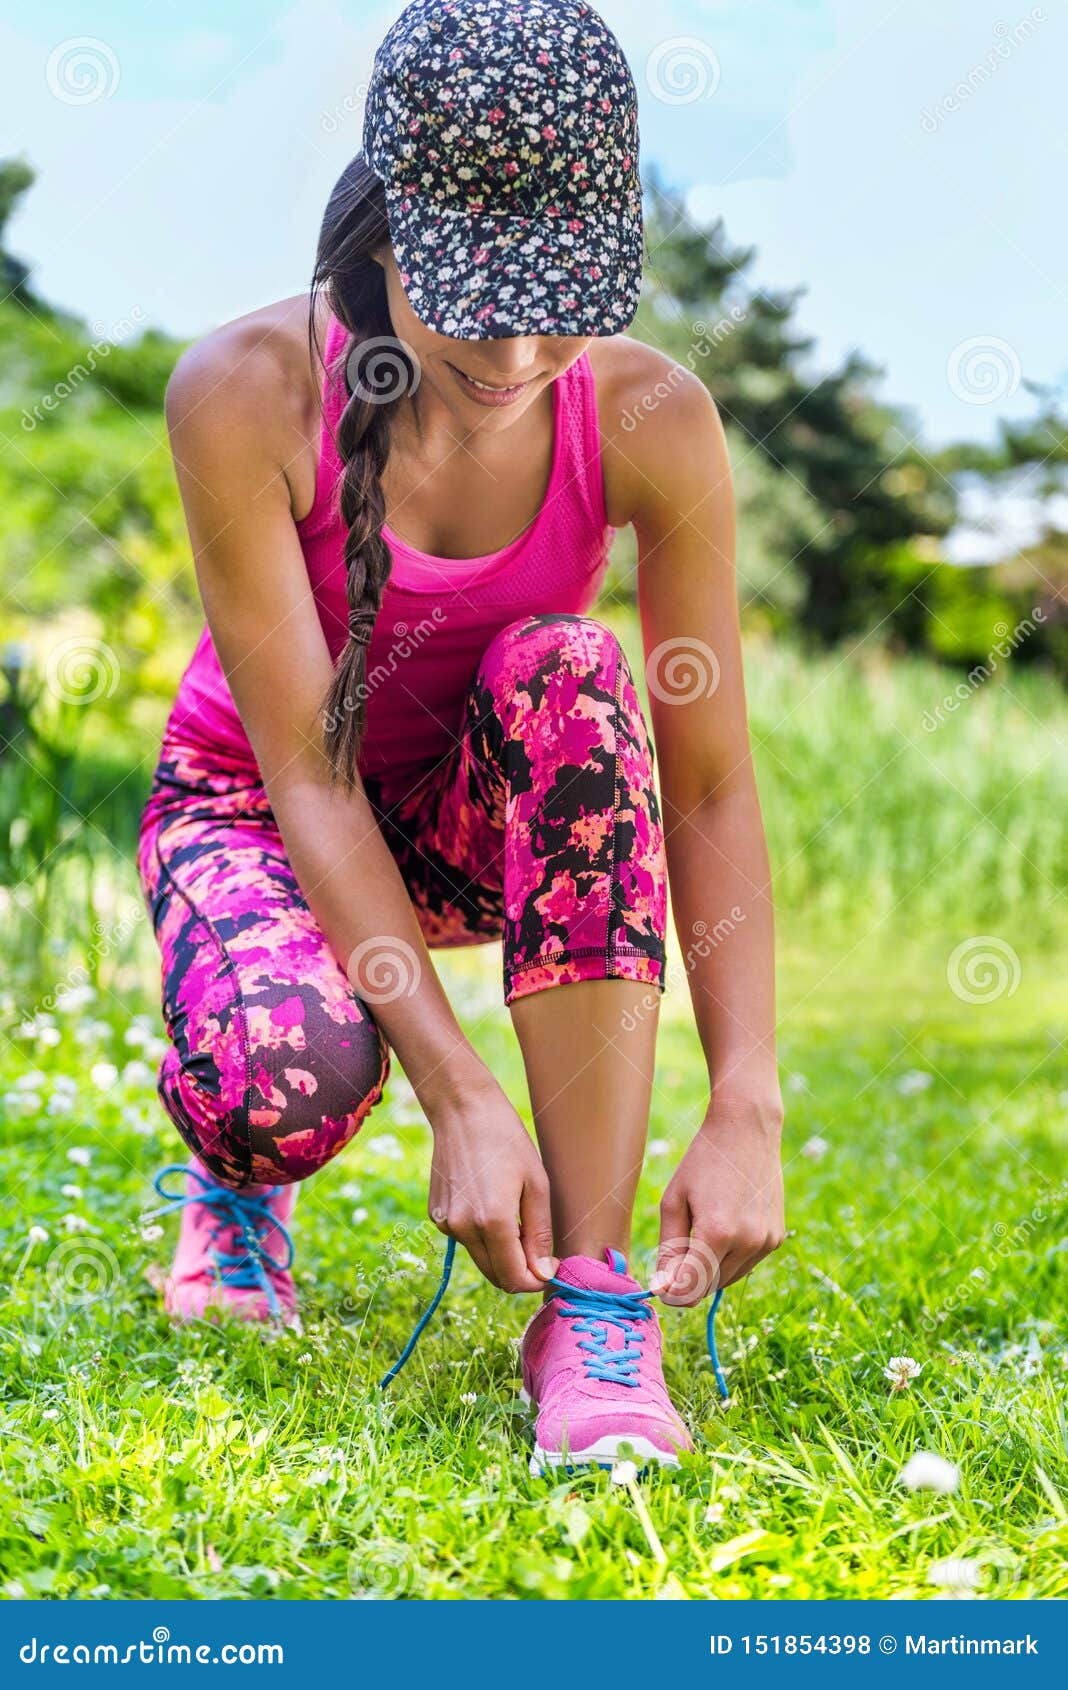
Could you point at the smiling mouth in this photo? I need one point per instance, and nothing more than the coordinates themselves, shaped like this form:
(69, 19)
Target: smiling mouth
(485, 392)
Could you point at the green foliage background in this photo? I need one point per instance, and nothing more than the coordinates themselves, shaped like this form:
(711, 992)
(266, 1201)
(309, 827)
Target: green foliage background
(914, 788)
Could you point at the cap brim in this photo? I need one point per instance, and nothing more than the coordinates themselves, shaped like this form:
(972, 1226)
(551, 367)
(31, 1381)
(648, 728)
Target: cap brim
(491, 278)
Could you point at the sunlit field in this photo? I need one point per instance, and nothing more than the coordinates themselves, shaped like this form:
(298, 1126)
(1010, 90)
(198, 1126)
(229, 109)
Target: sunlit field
(897, 1373)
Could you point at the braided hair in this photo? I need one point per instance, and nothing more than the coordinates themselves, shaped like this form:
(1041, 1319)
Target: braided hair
(379, 373)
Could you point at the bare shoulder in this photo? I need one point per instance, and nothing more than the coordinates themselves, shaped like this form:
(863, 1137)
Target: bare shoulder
(660, 429)
(247, 392)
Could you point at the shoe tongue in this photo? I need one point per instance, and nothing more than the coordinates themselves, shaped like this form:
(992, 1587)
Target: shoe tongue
(592, 1275)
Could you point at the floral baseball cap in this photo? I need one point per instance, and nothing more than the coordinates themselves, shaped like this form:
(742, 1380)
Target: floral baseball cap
(506, 134)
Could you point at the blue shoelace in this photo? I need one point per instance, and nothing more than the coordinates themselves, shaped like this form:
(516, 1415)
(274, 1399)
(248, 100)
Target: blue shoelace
(594, 1312)
(250, 1214)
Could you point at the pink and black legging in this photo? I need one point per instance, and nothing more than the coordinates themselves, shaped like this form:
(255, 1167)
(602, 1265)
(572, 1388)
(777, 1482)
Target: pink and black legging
(541, 827)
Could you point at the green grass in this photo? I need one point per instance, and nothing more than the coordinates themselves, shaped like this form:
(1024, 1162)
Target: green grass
(140, 1461)
(924, 1010)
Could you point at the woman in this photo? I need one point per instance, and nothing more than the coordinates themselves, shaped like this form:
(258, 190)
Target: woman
(403, 729)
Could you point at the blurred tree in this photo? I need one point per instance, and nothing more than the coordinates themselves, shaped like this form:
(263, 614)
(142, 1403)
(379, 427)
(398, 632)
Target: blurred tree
(15, 177)
(858, 506)
(91, 531)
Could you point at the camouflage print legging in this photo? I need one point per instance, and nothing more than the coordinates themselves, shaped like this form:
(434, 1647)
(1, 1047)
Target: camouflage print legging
(541, 828)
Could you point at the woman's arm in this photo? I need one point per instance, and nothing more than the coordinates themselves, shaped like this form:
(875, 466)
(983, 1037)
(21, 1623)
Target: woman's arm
(723, 1210)
(233, 430)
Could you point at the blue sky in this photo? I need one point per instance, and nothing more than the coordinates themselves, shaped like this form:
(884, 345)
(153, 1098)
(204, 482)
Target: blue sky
(902, 162)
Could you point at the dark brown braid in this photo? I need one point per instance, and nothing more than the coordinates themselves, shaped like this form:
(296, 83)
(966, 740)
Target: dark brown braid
(378, 374)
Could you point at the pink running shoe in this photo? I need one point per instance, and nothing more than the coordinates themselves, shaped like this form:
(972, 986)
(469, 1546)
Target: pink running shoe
(592, 1367)
(234, 1249)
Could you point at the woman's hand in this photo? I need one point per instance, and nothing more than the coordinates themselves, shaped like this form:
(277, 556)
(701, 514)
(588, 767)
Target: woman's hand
(722, 1212)
(488, 1187)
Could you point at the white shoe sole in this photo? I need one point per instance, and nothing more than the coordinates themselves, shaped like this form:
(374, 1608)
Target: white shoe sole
(605, 1452)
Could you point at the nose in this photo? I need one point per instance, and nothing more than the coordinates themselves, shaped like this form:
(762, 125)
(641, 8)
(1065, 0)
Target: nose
(507, 362)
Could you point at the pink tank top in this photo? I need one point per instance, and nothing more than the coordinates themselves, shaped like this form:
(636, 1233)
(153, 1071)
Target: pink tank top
(438, 615)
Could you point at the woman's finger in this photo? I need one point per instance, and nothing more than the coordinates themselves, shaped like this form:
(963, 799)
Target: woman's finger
(674, 1242)
(509, 1264)
(696, 1275)
(536, 1230)
(476, 1249)
(739, 1263)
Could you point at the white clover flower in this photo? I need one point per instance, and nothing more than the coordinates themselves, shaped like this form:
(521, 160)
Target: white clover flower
(624, 1472)
(469, 1397)
(49, 1036)
(815, 1148)
(151, 1233)
(387, 1146)
(901, 1371)
(79, 1156)
(714, 1513)
(37, 1235)
(73, 1191)
(75, 1223)
(916, 1080)
(103, 1074)
(926, 1471)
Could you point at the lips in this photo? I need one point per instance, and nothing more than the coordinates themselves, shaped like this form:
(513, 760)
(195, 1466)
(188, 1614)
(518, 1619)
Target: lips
(484, 394)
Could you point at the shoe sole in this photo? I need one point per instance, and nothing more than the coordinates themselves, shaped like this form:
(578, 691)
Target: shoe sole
(605, 1452)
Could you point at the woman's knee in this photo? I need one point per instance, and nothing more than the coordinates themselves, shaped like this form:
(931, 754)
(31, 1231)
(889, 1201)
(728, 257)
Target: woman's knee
(270, 1110)
(551, 660)
(572, 640)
